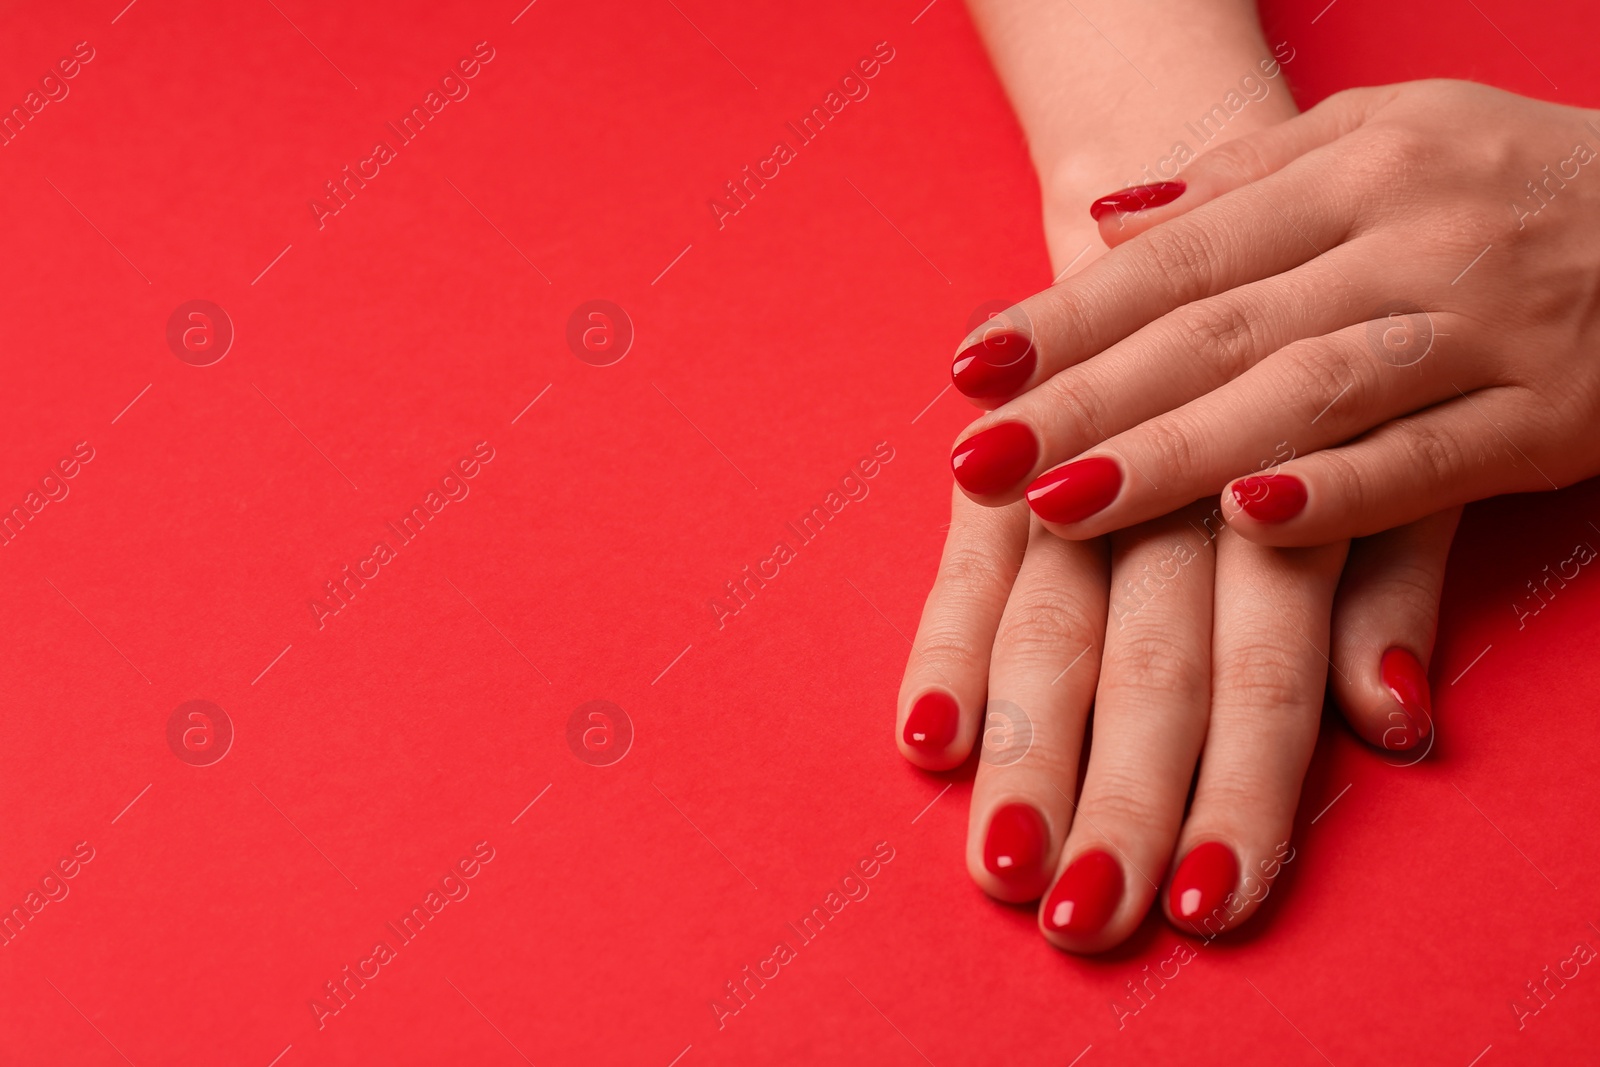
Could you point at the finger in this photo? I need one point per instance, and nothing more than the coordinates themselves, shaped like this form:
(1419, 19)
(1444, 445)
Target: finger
(1041, 681)
(1259, 231)
(1269, 668)
(1315, 393)
(1127, 213)
(1405, 470)
(1384, 620)
(1139, 378)
(1150, 717)
(942, 693)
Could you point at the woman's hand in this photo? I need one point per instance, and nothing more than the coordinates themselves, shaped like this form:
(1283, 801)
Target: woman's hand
(1208, 648)
(1376, 311)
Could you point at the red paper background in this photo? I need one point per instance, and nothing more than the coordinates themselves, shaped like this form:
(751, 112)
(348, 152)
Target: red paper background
(770, 357)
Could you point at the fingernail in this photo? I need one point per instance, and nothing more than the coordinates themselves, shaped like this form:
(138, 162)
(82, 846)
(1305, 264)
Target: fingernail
(996, 459)
(1202, 882)
(933, 722)
(1014, 848)
(1085, 896)
(1403, 675)
(1074, 492)
(1137, 198)
(1270, 497)
(996, 366)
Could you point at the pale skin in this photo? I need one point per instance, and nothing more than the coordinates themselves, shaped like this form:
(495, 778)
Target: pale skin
(1221, 659)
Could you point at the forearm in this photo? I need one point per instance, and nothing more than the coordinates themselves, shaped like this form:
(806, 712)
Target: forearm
(1112, 93)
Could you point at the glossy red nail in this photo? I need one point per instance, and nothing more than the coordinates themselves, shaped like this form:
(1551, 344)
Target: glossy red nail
(1137, 198)
(1074, 492)
(996, 366)
(996, 459)
(1403, 675)
(1270, 497)
(1085, 896)
(933, 722)
(1014, 848)
(1202, 882)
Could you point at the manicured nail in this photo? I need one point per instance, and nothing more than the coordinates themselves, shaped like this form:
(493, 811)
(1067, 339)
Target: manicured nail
(1085, 896)
(1074, 492)
(1270, 497)
(933, 722)
(996, 459)
(1138, 198)
(996, 366)
(1403, 675)
(1202, 882)
(1014, 848)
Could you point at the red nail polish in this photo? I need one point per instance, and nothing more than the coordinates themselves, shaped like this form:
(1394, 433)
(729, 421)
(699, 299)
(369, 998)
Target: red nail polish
(1202, 882)
(1138, 198)
(1074, 492)
(996, 459)
(1085, 896)
(1014, 848)
(1270, 497)
(1403, 675)
(933, 722)
(996, 366)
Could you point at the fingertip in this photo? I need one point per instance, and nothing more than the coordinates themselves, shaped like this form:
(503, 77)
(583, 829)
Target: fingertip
(930, 730)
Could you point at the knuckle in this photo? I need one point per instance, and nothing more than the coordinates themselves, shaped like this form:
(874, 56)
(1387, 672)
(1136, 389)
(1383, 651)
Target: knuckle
(1225, 330)
(1149, 658)
(1183, 257)
(1436, 453)
(1173, 442)
(1118, 799)
(969, 571)
(949, 644)
(1041, 626)
(1398, 148)
(1237, 162)
(1263, 678)
(1320, 371)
